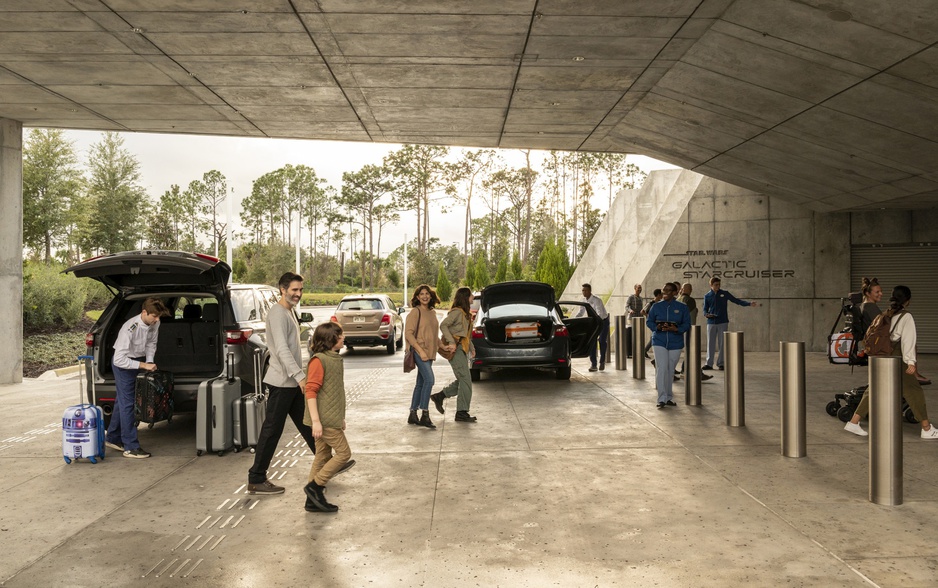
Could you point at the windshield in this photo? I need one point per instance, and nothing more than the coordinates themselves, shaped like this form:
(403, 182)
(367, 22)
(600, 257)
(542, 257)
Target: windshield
(520, 309)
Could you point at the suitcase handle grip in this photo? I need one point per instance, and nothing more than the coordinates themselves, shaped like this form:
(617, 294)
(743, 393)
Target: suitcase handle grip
(229, 367)
(214, 425)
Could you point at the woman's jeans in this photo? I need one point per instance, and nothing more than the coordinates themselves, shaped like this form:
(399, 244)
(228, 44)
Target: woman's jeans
(424, 384)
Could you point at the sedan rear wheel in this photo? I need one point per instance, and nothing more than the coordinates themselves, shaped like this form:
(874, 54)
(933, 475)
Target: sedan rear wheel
(390, 344)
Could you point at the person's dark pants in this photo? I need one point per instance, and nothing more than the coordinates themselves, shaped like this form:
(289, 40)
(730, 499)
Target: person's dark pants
(281, 402)
(122, 430)
(603, 344)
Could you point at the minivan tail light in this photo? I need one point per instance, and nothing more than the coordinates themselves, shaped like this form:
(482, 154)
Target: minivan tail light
(89, 339)
(561, 331)
(238, 336)
(386, 319)
(477, 333)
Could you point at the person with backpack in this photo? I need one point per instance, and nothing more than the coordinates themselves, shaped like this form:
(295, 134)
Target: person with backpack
(893, 333)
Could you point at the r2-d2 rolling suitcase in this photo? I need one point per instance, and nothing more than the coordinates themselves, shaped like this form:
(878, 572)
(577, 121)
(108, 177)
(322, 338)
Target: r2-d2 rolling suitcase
(83, 426)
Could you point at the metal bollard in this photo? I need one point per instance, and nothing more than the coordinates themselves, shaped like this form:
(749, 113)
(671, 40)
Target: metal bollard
(885, 431)
(692, 367)
(638, 348)
(622, 334)
(734, 386)
(792, 382)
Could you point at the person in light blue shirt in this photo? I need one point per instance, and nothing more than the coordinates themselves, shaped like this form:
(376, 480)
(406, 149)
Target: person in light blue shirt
(718, 320)
(668, 320)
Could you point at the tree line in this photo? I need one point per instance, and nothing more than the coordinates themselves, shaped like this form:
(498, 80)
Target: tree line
(518, 222)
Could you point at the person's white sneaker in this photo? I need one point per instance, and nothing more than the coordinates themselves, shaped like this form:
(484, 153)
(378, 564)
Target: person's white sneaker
(931, 433)
(856, 429)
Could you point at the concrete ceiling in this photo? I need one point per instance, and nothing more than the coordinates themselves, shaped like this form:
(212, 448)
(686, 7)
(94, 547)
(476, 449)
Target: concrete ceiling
(832, 104)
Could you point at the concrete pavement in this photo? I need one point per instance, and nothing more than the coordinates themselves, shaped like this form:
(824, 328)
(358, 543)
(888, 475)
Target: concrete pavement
(580, 483)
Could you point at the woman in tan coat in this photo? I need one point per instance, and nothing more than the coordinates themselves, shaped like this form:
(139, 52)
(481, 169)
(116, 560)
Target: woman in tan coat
(456, 329)
(421, 331)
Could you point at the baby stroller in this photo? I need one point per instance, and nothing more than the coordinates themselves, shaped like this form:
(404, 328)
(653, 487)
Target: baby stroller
(852, 400)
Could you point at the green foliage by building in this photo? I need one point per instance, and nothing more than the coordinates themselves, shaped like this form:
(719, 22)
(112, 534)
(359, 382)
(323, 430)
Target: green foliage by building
(553, 266)
(501, 274)
(444, 288)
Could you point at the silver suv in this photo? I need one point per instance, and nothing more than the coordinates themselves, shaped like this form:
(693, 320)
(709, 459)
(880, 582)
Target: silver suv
(209, 319)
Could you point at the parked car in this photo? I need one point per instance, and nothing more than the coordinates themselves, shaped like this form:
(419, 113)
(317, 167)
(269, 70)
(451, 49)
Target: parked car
(209, 319)
(370, 320)
(520, 324)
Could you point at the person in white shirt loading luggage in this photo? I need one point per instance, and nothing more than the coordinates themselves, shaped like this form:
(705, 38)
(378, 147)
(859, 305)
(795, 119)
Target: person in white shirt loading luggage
(133, 351)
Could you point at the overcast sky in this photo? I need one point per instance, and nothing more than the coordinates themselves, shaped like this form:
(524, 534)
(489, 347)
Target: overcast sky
(179, 159)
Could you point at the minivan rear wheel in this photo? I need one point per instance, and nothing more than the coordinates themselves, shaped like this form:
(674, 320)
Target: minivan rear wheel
(563, 373)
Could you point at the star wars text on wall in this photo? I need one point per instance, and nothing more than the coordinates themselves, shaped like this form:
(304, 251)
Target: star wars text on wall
(695, 268)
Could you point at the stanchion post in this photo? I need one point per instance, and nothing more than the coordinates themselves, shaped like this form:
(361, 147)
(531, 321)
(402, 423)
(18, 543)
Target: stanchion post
(734, 384)
(692, 367)
(622, 334)
(885, 431)
(638, 348)
(792, 382)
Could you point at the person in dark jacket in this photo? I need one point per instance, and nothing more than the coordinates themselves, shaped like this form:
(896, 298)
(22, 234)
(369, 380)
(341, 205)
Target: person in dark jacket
(718, 320)
(668, 320)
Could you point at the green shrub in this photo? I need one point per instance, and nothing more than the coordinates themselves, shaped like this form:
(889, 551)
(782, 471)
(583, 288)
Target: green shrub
(51, 297)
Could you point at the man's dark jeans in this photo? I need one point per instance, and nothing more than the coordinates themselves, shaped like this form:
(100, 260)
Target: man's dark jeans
(281, 402)
(603, 343)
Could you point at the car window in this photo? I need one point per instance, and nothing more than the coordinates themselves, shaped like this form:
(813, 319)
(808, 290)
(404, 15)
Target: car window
(512, 310)
(360, 304)
(245, 308)
(267, 300)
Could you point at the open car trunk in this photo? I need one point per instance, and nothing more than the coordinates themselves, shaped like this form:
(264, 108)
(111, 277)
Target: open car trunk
(518, 331)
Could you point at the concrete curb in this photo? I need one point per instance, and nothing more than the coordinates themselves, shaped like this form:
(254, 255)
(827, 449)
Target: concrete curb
(59, 373)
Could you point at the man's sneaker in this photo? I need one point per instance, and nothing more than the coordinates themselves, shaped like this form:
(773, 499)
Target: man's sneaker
(720, 367)
(602, 367)
(137, 453)
(265, 488)
(705, 377)
(931, 433)
(707, 367)
(346, 467)
(670, 403)
(116, 446)
(856, 429)
(593, 368)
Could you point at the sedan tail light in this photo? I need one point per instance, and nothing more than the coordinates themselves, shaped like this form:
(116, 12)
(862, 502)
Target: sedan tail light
(386, 319)
(561, 331)
(89, 339)
(238, 336)
(477, 333)
(333, 319)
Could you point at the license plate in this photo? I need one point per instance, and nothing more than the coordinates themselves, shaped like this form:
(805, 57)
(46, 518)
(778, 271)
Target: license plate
(358, 319)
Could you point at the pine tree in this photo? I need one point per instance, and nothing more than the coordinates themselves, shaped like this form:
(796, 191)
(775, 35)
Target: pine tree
(501, 274)
(444, 288)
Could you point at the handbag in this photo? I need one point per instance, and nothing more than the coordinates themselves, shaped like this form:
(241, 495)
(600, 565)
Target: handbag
(447, 355)
(410, 364)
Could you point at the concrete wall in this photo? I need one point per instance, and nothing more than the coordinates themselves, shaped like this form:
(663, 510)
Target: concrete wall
(11, 250)
(892, 227)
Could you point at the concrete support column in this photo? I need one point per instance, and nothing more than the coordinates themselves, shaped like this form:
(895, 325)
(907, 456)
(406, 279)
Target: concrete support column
(11, 250)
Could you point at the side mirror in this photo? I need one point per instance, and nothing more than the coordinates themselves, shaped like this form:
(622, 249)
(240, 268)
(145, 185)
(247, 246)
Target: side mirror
(400, 310)
(306, 317)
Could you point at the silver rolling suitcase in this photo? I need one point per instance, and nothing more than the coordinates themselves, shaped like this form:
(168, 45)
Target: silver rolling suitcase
(214, 404)
(250, 411)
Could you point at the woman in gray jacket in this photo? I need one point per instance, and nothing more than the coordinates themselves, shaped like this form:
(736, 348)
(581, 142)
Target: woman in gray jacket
(455, 330)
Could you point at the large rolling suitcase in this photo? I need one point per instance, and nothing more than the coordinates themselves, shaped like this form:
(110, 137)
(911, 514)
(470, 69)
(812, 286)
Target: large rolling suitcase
(250, 411)
(83, 427)
(214, 403)
(153, 397)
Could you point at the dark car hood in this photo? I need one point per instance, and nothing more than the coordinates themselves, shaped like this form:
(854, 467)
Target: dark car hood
(139, 269)
(517, 292)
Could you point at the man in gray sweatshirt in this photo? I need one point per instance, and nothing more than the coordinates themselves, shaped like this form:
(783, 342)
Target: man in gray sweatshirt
(285, 379)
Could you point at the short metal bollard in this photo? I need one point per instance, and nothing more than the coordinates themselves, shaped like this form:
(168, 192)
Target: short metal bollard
(734, 385)
(622, 334)
(692, 367)
(792, 382)
(638, 348)
(885, 431)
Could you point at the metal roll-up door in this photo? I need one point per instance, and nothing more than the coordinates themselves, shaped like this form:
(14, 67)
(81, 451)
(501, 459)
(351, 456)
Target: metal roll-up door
(910, 265)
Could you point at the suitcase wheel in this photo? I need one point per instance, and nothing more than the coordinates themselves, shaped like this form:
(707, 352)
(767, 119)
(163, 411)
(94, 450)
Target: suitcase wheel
(67, 460)
(236, 450)
(252, 450)
(93, 459)
(198, 452)
(832, 407)
(221, 453)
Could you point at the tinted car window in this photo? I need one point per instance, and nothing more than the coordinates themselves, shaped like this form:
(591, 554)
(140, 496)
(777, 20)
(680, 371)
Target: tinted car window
(359, 304)
(244, 305)
(514, 310)
(268, 299)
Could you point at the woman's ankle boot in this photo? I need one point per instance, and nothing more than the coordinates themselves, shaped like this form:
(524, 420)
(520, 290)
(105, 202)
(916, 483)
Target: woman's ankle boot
(412, 419)
(425, 421)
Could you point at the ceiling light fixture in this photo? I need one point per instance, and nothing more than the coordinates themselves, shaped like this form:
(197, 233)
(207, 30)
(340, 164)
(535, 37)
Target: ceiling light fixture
(579, 58)
(137, 30)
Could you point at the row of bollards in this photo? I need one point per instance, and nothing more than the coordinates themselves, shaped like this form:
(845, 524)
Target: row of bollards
(885, 376)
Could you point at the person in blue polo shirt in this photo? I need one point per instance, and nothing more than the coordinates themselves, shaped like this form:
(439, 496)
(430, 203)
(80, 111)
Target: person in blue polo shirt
(718, 320)
(669, 320)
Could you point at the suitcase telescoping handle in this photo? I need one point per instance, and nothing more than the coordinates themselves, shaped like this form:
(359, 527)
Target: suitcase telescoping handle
(229, 367)
(258, 371)
(84, 360)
